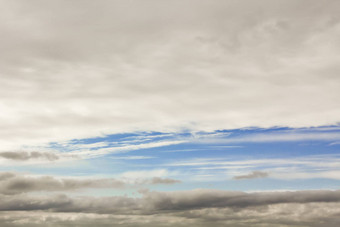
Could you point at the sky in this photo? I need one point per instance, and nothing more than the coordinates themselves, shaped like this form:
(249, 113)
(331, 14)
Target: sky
(169, 113)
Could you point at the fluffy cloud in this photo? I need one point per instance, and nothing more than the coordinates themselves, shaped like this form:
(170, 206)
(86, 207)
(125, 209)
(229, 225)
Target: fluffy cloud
(78, 69)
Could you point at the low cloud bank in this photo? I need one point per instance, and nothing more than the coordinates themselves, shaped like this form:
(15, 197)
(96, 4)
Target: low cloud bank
(184, 208)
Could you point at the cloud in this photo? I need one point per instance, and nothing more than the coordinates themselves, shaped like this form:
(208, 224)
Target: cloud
(185, 208)
(121, 149)
(39, 219)
(306, 167)
(155, 202)
(158, 180)
(286, 136)
(83, 70)
(6, 175)
(199, 199)
(134, 175)
(131, 157)
(12, 183)
(311, 215)
(15, 183)
(284, 216)
(252, 175)
(24, 156)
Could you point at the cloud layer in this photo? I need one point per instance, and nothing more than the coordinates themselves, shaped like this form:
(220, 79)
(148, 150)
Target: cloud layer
(24, 156)
(75, 69)
(71, 70)
(252, 175)
(187, 208)
(14, 183)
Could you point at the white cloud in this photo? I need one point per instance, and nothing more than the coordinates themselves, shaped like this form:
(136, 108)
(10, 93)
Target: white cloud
(121, 149)
(301, 174)
(133, 175)
(75, 70)
(131, 157)
(308, 167)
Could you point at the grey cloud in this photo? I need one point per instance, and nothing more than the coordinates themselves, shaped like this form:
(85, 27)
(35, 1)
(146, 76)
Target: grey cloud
(155, 180)
(314, 215)
(6, 175)
(252, 175)
(37, 219)
(155, 202)
(188, 208)
(16, 183)
(78, 69)
(215, 198)
(12, 183)
(159, 180)
(23, 156)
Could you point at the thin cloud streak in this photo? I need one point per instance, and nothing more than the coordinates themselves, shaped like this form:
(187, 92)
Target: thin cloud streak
(25, 156)
(276, 137)
(15, 183)
(252, 175)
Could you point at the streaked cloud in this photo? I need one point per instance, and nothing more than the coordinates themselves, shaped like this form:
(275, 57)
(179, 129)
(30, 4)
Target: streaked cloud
(307, 167)
(24, 156)
(279, 215)
(15, 183)
(279, 137)
(158, 180)
(12, 183)
(132, 157)
(165, 201)
(252, 175)
(85, 153)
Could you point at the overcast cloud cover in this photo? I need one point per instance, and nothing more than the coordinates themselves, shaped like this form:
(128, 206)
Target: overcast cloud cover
(164, 112)
(82, 68)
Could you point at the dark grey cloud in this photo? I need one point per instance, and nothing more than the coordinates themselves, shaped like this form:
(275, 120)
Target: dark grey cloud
(252, 175)
(24, 156)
